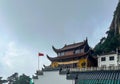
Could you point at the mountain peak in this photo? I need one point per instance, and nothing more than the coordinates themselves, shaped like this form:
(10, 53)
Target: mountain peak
(115, 25)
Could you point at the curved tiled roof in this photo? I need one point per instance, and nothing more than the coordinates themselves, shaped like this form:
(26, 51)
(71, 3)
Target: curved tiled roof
(67, 56)
(71, 46)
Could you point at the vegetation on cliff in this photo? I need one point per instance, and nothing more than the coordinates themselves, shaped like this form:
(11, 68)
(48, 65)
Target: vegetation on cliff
(109, 44)
(112, 41)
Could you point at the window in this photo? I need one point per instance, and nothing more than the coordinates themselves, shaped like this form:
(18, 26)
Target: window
(103, 58)
(82, 50)
(111, 58)
(62, 53)
(77, 51)
(58, 54)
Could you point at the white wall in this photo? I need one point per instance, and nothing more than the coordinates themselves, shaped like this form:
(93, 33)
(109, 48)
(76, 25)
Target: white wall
(52, 77)
(119, 60)
(108, 62)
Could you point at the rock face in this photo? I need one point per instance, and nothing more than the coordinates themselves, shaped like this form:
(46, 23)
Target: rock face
(115, 25)
(111, 43)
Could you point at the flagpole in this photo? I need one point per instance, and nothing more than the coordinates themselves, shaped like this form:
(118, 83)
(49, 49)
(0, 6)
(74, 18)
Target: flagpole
(38, 62)
(39, 54)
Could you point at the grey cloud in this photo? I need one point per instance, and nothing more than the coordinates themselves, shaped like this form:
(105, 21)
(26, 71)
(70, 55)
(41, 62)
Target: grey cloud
(39, 24)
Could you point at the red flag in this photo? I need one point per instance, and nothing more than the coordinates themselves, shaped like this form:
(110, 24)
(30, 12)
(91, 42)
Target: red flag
(40, 54)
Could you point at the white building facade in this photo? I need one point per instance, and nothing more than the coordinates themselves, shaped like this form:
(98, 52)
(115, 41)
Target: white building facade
(52, 77)
(108, 60)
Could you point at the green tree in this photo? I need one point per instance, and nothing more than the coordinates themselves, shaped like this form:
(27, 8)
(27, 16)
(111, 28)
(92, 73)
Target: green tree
(2, 81)
(16, 79)
(11, 79)
(109, 44)
(23, 79)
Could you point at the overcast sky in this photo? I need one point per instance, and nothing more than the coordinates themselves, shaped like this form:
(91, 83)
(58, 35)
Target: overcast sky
(31, 26)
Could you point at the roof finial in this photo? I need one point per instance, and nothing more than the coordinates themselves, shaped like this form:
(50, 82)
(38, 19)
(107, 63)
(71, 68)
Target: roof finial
(54, 49)
(86, 39)
(65, 45)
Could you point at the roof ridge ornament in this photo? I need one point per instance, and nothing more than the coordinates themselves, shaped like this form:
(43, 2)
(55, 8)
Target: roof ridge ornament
(54, 49)
(86, 39)
(65, 45)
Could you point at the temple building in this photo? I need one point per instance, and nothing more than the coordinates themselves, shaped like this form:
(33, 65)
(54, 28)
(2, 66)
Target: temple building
(77, 55)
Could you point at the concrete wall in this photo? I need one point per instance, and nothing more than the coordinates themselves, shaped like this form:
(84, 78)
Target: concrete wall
(52, 77)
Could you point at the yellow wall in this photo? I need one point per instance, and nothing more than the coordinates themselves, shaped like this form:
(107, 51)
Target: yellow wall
(54, 64)
(82, 63)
